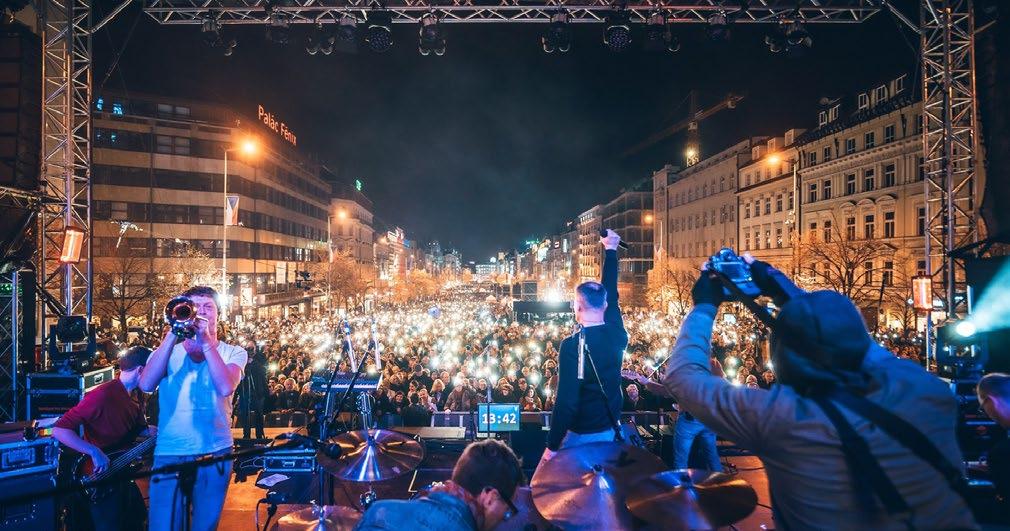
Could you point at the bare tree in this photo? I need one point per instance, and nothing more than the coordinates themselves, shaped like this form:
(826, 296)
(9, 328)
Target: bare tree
(344, 276)
(123, 288)
(829, 261)
(669, 284)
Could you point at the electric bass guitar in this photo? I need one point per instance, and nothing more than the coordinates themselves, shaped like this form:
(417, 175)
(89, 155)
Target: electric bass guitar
(84, 470)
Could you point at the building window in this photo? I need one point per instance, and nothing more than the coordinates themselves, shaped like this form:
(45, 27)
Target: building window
(869, 140)
(889, 133)
(813, 230)
(867, 272)
(920, 267)
(922, 169)
(768, 205)
(888, 274)
(778, 237)
(778, 202)
(918, 124)
(822, 118)
(890, 176)
(850, 146)
(768, 238)
(827, 230)
(880, 93)
(722, 183)
(790, 200)
(850, 184)
(869, 180)
(921, 222)
(889, 224)
(746, 241)
(850, 228)
(869, 226)
(826, 154)
(811, 192)
(732, 209)
(826, 189)
(812, 158)
(864, 101)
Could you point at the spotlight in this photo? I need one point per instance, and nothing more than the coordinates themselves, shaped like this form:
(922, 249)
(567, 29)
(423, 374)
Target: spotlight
(379, 35)
(229, 48)
(73, 242)
(718, 27)
(617, 35)
(775, 41)
(430, 38)
(797, 35)
(965, 329)
(278, 29)
(211, 30)
(312, 41)
(558, 36)
(655, 32)
(347, 29)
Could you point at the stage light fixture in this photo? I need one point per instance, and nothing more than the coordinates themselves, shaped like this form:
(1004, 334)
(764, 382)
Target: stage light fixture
(965, 329)
(313, 40)
(73, 241)
(278, 28)
(718, 27)
(617, 35)
(211, 30)
(797, 35)
(430, 38)
(655, 32)
(558, 36)
(775, 42)
(379, 34)
(347, 29)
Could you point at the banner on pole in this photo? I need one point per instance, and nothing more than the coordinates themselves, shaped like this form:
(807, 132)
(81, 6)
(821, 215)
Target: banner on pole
(231, 211)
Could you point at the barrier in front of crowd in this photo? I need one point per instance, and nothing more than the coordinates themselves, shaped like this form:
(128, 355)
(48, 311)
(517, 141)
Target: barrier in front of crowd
(462, 419)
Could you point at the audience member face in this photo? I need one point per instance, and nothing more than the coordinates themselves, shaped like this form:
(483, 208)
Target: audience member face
(632, 390)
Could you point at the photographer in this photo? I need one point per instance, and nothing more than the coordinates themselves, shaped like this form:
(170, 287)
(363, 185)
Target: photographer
(823, 355)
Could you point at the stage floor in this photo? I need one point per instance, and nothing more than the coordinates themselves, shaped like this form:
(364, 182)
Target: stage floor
(242, 497)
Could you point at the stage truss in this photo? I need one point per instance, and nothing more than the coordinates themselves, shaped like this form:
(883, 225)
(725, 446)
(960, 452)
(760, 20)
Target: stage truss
(503, 11)
(949, 132)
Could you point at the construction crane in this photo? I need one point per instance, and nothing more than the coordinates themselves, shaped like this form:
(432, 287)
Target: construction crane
(692, 150)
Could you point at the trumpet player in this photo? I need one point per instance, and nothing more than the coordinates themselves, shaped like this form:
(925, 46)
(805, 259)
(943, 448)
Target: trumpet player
(195, 374)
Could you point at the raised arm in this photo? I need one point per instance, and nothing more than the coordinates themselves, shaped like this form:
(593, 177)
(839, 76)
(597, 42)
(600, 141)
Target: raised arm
(609, 278)
(157, 364)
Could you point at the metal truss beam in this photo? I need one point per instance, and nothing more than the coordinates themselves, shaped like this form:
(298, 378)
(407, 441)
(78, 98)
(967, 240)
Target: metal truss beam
(505, 11)
(949, 140)
(11, 320)
(66, 153)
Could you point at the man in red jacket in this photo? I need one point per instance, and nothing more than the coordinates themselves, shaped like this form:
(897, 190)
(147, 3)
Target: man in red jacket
(111, 418)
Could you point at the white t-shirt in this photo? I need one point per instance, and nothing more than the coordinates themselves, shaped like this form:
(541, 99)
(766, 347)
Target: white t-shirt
(193, 418)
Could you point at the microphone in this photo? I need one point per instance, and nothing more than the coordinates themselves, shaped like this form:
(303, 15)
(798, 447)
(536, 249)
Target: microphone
(332, 450)
(622, 245)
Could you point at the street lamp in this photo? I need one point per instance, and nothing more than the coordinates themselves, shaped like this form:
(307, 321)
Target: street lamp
(248, 146)
(774, 159)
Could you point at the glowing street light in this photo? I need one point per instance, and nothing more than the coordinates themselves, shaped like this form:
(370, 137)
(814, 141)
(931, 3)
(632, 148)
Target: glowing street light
(774, 159)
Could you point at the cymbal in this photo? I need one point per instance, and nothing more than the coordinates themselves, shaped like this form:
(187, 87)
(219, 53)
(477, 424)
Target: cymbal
(372, 455)
(320, 518)
(584, 487)
(691, 499)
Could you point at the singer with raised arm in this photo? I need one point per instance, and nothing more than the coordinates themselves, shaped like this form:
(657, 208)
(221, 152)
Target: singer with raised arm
(195, 374)
(584, 412)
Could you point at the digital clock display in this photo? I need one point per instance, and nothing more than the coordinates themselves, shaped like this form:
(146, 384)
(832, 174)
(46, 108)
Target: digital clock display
(498, 417)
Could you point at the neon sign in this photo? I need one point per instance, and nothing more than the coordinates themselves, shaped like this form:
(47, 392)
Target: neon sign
(276, 125)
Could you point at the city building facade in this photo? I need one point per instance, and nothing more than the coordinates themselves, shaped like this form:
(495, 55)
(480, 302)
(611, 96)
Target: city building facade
(589, 224)
(630, 215)
(159, 197)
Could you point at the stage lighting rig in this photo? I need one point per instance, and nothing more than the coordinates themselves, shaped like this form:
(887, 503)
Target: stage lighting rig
(558, 36)
(617, 35)
(430, 37)
(379, 34)
(211, 30)
(319, 40)
(278, 28)
(797, 35)
(718, 27)
(658, 35)
(347, 29)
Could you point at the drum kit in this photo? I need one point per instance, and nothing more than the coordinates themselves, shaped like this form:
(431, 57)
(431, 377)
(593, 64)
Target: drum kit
(595, 486)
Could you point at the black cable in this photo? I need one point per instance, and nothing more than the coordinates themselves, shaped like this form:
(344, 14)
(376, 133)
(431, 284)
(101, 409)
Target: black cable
(618, 436)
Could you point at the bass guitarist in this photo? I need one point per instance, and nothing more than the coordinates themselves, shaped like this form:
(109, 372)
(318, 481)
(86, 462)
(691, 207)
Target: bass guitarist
(112, 417)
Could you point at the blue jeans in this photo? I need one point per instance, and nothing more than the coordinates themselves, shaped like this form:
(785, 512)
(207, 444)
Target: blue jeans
(686, 433)
(209, 489)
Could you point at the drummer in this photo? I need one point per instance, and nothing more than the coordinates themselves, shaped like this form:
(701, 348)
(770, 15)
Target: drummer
(478, 497)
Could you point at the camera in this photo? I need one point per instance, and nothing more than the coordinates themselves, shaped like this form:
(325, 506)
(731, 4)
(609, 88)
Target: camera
(738, 271)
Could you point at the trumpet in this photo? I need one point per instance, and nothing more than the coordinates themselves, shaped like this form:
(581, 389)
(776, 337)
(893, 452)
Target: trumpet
(181, 315)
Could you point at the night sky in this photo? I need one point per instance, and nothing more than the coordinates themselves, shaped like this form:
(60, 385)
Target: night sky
(496, 141)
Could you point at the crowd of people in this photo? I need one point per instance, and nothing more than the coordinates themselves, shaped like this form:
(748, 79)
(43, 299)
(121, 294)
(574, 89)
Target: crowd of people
(457, 352)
